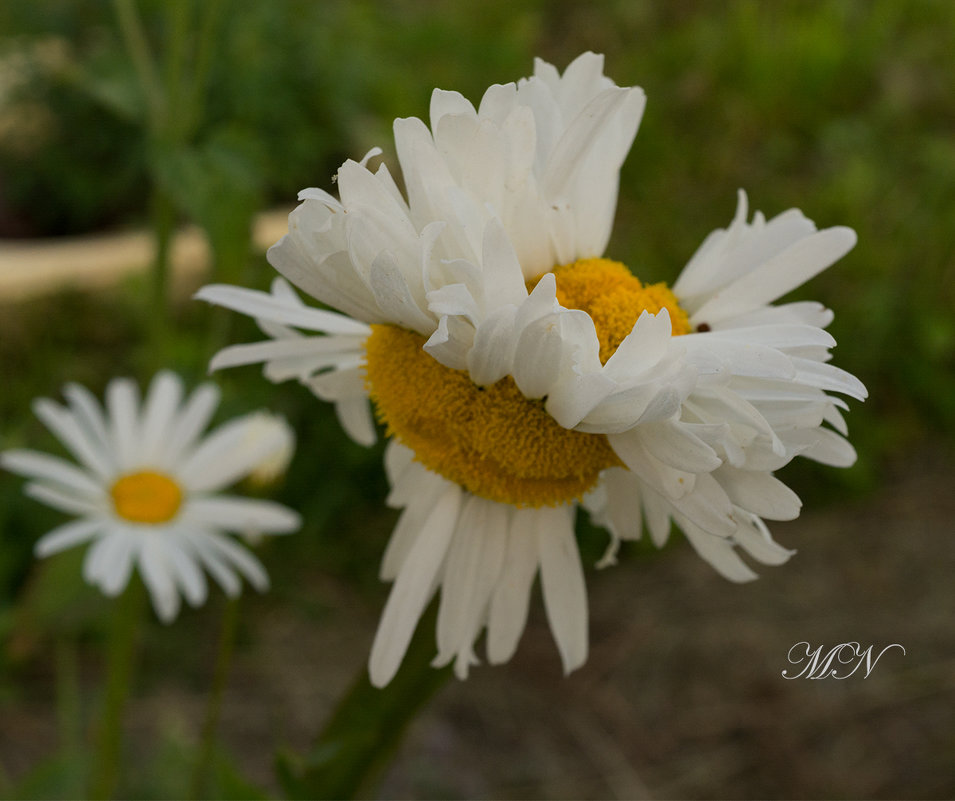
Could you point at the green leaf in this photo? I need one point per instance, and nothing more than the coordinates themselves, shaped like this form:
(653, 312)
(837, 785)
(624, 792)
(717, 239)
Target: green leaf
(109, 81)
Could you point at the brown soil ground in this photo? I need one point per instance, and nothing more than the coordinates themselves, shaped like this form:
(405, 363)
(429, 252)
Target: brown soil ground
(682, 696)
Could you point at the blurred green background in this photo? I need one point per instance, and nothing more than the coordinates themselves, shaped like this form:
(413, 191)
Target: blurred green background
(844, 109)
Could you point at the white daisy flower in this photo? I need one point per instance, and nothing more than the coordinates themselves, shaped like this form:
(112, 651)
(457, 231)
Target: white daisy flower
(521, 374)
(147, 491)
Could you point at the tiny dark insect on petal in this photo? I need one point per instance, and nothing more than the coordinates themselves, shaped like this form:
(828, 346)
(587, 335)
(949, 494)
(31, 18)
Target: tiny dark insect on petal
(702, 328)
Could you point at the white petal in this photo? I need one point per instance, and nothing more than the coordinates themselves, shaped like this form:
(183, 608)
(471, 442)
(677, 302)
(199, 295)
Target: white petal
(562, 583)
(66, 536)
(216, 564)
(643, 347)
(261, 304)
(63, 500)
(575, 396)
(620, 410)
(356, 419)
(624, 503)
(537, 358)
(193, 419)
(708, 506)
(780, 336)
(656, 511)
(115, 574)
(241, 515)
(190, 578)
(675, 444)
(579, 138)
(330, 277)
(159, 412)
(241, 558)
(34, 464)
(827, 376)
(759, 493)
(156, 573)
(413, 588)
(395, 298)
(451, 342)
(454, 300)
(670, 481)
(753, 536)
(473, 566)
(83, 444)
(89, 416)
(507, 615)
(503, 279)
(793, 267)
(492, 353)
(97, 556)
(339, 385)
(320, 348)
(743, 357)
(719, 552)
(427, 488)
(122, 401)
(822, 445)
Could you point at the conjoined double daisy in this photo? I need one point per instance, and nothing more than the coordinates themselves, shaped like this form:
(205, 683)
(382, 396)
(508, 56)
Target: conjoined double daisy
(520, 374)
(147, 490)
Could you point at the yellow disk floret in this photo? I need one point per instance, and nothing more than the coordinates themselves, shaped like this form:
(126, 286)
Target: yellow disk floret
(146, 497)
(614, 298)
(491, 440)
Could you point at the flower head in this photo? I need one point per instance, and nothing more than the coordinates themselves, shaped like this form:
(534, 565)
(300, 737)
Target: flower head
(146, 489)
(521, 374)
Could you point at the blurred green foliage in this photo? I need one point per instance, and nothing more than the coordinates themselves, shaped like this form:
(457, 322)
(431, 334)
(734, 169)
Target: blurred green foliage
(844, 109)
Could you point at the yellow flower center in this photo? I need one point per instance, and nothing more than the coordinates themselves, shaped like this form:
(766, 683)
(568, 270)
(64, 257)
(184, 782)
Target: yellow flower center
(492, 440)
(614, 298)
(146, 497)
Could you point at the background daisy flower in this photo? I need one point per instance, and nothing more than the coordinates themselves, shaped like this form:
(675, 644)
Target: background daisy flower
(521, 373)
(147, 488)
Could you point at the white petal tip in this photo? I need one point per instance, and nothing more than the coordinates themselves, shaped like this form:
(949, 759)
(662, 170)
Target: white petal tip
(379, 674)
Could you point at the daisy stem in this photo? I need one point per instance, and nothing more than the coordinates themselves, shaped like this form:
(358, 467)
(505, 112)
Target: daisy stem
(127, 618)
(366, 727)
(164, 223)
(200, 775)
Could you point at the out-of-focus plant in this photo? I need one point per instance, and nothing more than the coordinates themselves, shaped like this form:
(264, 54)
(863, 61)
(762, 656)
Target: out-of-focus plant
(214, 179)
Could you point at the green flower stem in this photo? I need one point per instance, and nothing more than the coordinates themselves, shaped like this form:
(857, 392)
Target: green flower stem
(164, 226)
(134, 39)
(67, 697)
(177, 19)
(200, 775)
(209, 30)
(366, 728)
(127, 619)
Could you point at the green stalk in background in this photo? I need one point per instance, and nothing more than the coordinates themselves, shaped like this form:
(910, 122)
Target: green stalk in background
(127, 619)
(199, 786)
(156, 94)
(210, 175)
